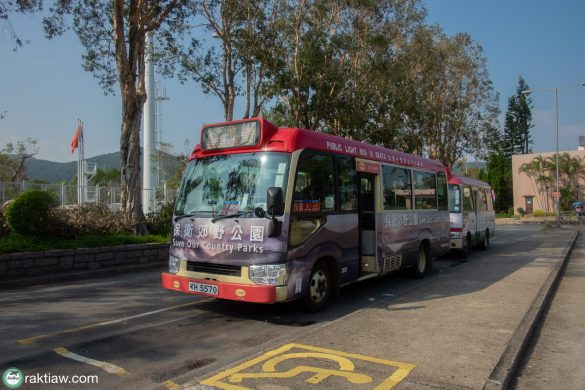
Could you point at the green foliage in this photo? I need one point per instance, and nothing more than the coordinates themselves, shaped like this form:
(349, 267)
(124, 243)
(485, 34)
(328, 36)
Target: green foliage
(161, 221)
(19, 243)
(521, 211)
(109, 178)
(517, 139)
(540, 213)
(567, 198)
(29, 214)
(13, 158)
(499, 175)
(4, 229)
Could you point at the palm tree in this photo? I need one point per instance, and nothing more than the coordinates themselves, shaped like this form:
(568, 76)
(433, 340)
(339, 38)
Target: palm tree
(538, 170)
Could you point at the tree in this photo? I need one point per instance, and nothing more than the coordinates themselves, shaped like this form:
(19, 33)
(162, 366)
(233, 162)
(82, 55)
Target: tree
(538, 170)
(240, 58)
(109, 178)
(114, 36)
(458, 108)
(517, 139)
(8, 7)
(339, 70)
(499, 175)
(13, 159)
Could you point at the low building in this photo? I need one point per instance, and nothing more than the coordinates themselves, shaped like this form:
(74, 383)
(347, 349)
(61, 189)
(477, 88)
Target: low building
(534, 194)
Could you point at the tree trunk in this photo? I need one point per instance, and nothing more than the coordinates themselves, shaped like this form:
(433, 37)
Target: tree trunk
(130, 162)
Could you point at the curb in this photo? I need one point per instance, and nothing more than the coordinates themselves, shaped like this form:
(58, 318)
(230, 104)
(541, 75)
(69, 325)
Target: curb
(510, 362)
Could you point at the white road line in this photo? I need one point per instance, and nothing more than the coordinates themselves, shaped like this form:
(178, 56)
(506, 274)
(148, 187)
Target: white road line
(108, 367)
(33, 340)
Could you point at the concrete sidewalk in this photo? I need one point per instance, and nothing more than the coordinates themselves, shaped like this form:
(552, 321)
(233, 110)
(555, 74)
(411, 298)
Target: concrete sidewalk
(556, 358)
(464, 329)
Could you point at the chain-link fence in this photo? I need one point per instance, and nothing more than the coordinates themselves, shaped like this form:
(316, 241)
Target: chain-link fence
(68, 194)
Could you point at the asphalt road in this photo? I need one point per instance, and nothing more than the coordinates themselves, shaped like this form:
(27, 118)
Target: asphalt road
(128, 332)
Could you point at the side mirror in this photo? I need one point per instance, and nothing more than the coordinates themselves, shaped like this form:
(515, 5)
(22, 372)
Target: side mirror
(275, 201)
(275, 206)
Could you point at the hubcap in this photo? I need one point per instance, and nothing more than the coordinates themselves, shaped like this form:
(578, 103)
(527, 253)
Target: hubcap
(422, 261)
(318, 286)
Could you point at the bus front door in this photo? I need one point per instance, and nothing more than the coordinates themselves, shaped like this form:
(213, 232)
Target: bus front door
(367, 219)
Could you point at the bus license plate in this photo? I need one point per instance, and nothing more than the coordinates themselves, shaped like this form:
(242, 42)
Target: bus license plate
(210, 289)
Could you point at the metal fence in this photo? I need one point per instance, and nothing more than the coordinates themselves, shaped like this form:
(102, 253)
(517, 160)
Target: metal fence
(68, 194)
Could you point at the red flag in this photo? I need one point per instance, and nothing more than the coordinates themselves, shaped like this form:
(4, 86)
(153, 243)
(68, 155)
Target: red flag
(75, 141)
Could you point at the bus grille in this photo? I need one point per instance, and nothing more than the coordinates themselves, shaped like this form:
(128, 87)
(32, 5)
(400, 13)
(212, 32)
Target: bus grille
(215, 269)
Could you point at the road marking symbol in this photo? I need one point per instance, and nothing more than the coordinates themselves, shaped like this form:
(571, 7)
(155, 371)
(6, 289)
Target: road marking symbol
(108, 367)
(344, 366)
(170, 385)
(33, 340)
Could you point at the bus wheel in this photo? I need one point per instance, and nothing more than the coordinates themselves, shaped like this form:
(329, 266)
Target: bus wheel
(319, 290)
(466, 247)
(423, 262)
(486, 241)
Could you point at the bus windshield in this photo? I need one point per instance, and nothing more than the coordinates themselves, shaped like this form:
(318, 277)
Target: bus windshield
(230, 184)
(454, 198)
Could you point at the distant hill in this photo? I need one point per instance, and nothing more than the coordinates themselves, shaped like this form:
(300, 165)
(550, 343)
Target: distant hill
(56, 172)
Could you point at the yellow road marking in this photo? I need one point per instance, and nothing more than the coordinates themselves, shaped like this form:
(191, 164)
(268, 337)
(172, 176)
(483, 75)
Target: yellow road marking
(33, 340)
(227, 379)
(108, 367)
(170, 385)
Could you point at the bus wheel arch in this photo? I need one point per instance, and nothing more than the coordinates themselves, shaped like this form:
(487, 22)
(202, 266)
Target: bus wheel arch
(321, 286)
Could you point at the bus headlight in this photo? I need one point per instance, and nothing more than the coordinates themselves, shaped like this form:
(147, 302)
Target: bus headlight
(174, 264)
(274, 274)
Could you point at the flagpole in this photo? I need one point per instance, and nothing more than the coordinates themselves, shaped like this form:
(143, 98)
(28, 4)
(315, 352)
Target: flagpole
(82, 157)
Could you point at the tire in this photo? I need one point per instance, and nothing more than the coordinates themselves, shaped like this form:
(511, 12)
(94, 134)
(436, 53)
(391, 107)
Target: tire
(486, 241)
(466, 247)
(320, 288)
(423, 263)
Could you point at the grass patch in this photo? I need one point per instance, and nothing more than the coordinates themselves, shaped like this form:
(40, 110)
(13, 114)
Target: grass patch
(19, 243)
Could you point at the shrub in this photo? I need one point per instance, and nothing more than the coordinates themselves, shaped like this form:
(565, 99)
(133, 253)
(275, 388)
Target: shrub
(96, 218)
(541, 213)
(29, 213)
(520, 211)
(161, 221)
(4, 229)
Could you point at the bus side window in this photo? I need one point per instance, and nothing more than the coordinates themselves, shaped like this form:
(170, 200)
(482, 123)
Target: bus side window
(467, 201)
(490, 201)
(348, 198)
(442, 194)
(313, 196)
(482, 200)
(424, 190)
(397, 188)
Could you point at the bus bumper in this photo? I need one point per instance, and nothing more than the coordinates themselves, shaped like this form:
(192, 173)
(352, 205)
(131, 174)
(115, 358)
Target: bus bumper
(232, 291)
(456, 243)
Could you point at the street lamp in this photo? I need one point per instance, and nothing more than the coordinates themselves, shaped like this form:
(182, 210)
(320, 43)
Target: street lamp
(556, 90)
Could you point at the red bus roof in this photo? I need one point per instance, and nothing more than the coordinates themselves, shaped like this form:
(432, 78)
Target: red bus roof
(282, 139)
(457, 179)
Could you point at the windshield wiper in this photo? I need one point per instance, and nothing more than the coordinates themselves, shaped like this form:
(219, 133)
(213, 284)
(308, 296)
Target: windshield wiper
(234, 215)
(191, 214)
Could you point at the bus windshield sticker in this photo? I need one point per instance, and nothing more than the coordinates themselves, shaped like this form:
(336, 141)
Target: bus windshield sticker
(230, 207)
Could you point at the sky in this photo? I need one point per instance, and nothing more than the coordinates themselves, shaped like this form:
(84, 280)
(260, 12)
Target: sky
(44, 90)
